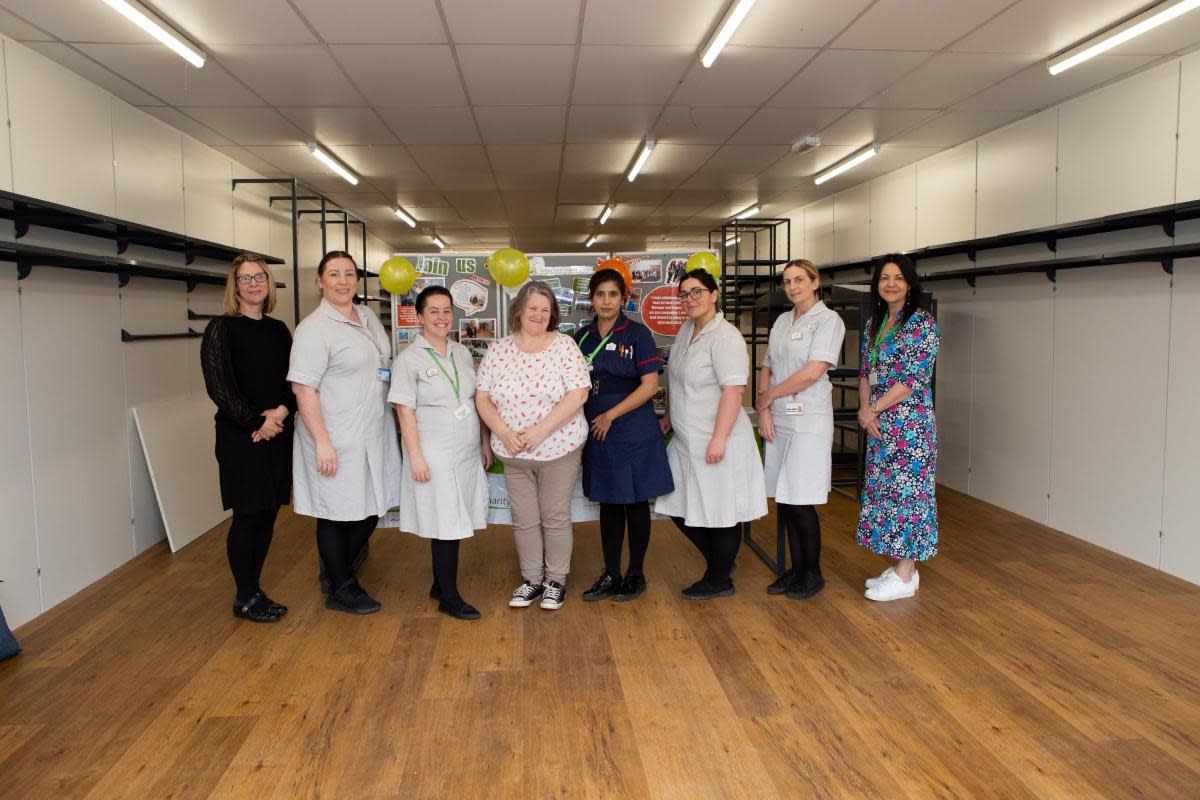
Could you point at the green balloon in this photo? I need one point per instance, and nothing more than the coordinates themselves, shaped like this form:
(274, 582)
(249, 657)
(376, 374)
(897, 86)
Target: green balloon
(397, 275)
(706, 261)
(509, 267)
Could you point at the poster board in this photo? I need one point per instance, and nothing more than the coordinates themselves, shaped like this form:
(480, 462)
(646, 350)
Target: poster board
(474, 298)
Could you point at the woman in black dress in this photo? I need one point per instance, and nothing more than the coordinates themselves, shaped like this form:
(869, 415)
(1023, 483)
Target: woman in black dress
(244, 356)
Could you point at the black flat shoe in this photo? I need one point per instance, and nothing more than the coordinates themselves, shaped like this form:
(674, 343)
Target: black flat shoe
(806, 586)
(706, 591)
(605, 586)
(259, 609)
(782, 583)
(464, 611)
(435, 591)
(631, 587)
(352, 599)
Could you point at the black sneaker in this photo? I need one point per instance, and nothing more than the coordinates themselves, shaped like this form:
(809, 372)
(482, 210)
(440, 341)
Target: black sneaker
(605, 586)
(782, 583)
(464, 611)
(525, 594)
(435, 591)
(554, 594)
(259, 608)
(706, 591)
(806, 586)
(352, 599)
(631, 587)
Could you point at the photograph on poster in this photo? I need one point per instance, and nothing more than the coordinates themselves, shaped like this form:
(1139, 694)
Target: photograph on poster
(469, 295)
(566, 300)
(635, 299)
(478, 347)
(583, 302)
(406, 335)
(406, 304)
(659, 399)
(567, 327)
(644, 270)
(676, 269)
(477, 328)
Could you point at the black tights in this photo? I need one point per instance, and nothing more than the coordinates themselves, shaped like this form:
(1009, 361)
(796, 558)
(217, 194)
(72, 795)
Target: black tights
(719, 546)
(445, 570)
(339, 543)
(613, 518)
(246, 545)
(804, 537)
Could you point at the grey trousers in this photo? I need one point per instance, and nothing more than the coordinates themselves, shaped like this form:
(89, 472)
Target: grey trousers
(539, 496)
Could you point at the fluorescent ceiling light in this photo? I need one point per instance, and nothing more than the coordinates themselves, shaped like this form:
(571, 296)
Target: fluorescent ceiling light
(412, 223)
(333, 163)
(647, 149)
(1134, 26)
(154, 25)
(441, 245)
(608, 210)
(846, 164)
(591, 240)
(729, 25)
(749, 212)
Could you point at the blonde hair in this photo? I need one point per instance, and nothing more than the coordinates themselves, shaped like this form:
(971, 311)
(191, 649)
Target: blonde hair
(231, 296)
(810, 269)
(522, 299)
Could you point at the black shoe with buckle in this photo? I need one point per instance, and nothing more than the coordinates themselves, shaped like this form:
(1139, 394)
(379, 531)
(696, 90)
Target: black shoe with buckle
(259, 609)
(605, 586)
(631, 587)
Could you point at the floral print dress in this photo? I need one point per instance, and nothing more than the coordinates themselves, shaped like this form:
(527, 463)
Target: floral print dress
(898, 508)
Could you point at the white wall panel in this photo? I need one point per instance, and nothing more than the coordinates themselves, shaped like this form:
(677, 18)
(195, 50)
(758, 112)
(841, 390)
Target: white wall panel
(946, 196)
(1116, 148)
(1011, 390)
(818, 232)
(1181, 527)
(281, 247)
(252, 216)
(71, 336)
(20, 595)
(796, 232)
(1107, 425)
(1017, 176)
(148, 163)
(852, 224)
(1188, 170)
(955, 302)
(5, 152)
(894, 212)
(61, 134)
(208, 197)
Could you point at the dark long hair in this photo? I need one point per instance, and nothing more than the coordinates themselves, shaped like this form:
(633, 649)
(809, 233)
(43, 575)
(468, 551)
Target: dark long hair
(912, 303)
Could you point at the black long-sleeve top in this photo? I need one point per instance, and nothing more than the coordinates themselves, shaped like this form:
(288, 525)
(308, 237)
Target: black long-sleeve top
(245, 364)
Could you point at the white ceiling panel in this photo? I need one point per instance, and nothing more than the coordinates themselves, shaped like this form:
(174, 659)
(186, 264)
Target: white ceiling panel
(296, 75)
(670, 164)
(294, 159)
(98, 74)
(480, 207)
(165, 75)
(577, 212)
(1042, 28)
(374, 21)
(948, 78)
(515, 75)
(249, 126)
(863, 126)
(513, 21)
(403, 74)
(789, 171)
(796, 23)
(250, 161)
(631, 194)
(954, 127)
(16, 28)
(180, 121)
(743, 76)
(341, 125)
(214, 22)
(73, 21)
(843, 78)
(610, 123)
(699, 124)
(927, 25)
(521, 124)
(455, 168)
(526, 167)
(740, 158)
(442, 125)
(530, 208)
(376, 161)
(785, 125)
(574, 189)
(1035, 88)
(679, 22)
(629, 75)
(890, 159)
(583, 160)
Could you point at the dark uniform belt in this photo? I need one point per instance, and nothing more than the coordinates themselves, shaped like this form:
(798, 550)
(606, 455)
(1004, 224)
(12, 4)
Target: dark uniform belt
(614, 385)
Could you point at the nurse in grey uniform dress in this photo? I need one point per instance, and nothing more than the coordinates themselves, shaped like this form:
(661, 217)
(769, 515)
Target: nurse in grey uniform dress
(443, 488)
(795, 416)
(713, 455)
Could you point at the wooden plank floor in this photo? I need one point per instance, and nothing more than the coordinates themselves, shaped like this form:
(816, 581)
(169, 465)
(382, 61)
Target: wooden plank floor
(1029, 665)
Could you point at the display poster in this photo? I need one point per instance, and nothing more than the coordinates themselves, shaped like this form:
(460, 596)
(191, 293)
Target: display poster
(473, 296)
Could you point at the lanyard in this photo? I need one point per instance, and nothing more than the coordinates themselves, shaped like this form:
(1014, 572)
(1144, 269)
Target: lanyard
(590, 357)
(456, 382)
(882, 336)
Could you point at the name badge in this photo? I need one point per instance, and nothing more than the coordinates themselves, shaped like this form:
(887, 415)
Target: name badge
(793, 409)
(872, 378)
(384, 374)
(610, 346)
(462, 412)
(798, 336)
(431, 372)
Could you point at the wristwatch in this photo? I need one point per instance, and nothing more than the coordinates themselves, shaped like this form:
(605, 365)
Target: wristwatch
(874, 408)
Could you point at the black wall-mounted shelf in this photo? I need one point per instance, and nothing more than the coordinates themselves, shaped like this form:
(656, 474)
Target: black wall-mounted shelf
(126, 336)
(193, 315)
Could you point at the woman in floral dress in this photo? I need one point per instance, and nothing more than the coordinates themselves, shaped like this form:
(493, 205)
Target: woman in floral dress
(898, 514)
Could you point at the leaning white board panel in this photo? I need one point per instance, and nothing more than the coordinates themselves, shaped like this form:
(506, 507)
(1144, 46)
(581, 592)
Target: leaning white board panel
(177, 438)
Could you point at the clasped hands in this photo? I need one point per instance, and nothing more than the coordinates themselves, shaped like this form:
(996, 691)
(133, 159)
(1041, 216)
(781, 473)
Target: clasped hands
(524, 441)
(272, 425)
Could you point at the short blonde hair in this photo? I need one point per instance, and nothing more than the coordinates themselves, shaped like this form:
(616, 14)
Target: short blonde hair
(522, 299)
(231, 296)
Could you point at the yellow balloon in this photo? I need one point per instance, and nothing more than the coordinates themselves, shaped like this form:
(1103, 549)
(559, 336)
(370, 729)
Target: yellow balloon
(706, 261)
(508, 266)
(397, 275)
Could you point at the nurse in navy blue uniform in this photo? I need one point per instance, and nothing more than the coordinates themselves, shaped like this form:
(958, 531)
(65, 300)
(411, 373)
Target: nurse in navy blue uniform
(625, 459)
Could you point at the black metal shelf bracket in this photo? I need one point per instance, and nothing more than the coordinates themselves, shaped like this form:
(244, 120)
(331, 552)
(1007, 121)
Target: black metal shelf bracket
(1168, 264)
(1052, 275)
(122, 278)
(971, 254)
(194, 315)
(24, 267)
(1052, 244)
(971, 281)
(126, 336)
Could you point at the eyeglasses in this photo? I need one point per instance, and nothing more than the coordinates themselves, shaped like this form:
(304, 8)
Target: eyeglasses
(694, 294)
(258, 277)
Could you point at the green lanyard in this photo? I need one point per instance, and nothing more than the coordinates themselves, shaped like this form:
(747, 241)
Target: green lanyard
(882, 336)
(457, 382)
(590, 357)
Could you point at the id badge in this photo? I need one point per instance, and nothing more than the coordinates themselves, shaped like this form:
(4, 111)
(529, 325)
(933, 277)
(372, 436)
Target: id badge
(610, 346)
(798, 336)
(872, 378)
(793, 409)
(384, 374)
(431, 372)
(462, 412)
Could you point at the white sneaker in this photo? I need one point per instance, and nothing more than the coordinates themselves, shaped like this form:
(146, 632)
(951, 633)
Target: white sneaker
(873, 582)
(893, 588)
